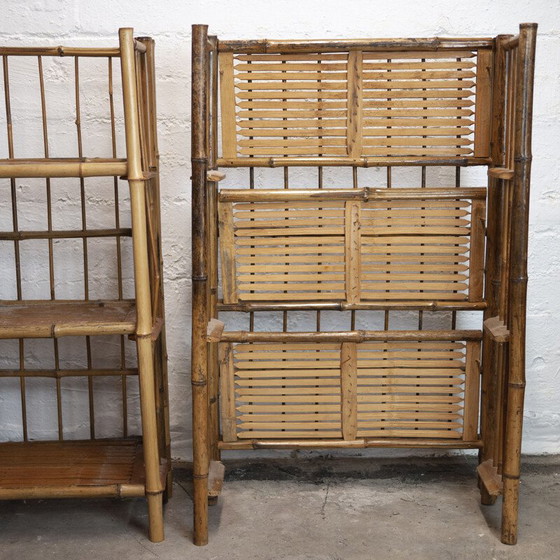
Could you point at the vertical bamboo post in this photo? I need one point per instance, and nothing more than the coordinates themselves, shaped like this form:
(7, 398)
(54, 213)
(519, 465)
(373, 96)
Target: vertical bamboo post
(142, 287)
(199, 362)
(518, 281)
(492, 286)
(160, 350)
(213, 360)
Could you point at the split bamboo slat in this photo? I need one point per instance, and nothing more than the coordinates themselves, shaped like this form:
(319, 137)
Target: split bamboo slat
(367, 254)
(119, 83)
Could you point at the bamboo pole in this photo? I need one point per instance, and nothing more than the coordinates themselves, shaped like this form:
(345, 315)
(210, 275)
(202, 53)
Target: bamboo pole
(49, 168)
(212, 187)
(295, 161)
(316, 46)
(343, 306)
(142, 287)
(348, 336)
(494, 233)
(160, 347)
(199, 361)
(365, 194)
(518, 281)
(360, 443)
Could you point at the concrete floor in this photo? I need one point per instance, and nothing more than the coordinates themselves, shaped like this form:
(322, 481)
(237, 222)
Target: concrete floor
(326, 509)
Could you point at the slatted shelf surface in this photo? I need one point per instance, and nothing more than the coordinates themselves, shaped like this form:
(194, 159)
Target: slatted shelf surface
(392, 389)
(63, 318)
(72, 468)
(355, 104)
(387, 249)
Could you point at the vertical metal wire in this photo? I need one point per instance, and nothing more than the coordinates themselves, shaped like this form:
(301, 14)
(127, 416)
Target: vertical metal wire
(17, 254)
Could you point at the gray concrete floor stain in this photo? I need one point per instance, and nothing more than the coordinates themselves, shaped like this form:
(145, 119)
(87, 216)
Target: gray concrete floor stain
(321, 509)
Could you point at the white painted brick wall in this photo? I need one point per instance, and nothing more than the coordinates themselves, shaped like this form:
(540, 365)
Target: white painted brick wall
(75, 22)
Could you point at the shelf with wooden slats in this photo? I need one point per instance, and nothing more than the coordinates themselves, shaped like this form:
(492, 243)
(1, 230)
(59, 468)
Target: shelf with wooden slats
(328, 390)
(357, 105)
(63, 318)
(333, 255)
(352, 245)
(73, 469)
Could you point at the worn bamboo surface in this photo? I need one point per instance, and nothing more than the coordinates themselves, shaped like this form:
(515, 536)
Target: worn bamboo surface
(122, 467)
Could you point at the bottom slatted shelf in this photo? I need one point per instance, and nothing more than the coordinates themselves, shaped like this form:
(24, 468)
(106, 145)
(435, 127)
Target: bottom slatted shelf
(73, 469)
(351, 391)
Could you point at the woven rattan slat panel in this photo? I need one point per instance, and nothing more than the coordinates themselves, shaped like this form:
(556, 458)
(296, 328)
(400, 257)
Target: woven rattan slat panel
(385, 249)
(356, 104)
(406, 389)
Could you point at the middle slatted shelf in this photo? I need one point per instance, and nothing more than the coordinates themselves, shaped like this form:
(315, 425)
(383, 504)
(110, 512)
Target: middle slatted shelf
(412, 248)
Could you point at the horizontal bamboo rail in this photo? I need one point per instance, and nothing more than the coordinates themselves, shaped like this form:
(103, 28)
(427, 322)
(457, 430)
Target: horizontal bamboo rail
(431, 44)
(348, 336)
(295, 161)
(365, 194)
(68, 51)
(343, 306)
(50, 168)
(362, 443)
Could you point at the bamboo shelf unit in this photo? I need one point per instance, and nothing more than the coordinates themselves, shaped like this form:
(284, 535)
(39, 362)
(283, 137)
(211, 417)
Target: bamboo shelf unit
(354, 291)
(102, 284)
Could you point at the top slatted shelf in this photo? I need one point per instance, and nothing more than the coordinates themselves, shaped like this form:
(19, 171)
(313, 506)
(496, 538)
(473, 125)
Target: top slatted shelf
(364, 103)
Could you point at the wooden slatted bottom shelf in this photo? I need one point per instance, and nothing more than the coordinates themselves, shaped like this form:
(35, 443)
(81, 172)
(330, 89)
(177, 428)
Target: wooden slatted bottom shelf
(73, 469)
(66, 318)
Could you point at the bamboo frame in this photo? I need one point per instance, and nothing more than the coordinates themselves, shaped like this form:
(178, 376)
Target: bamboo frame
(139, 466)
(309, 104)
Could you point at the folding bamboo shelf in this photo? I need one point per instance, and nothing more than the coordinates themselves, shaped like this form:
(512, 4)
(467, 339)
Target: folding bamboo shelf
(124, 465)
(373, 254)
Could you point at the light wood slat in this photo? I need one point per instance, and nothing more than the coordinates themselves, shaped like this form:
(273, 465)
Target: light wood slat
(403, 433)
(324, 122)
(291, 104)
(476, 263)
(432, 131)
(284, 419)
(264, 151)
(288, 276)
(429, 55)
(423, 408)
(291, 259)
(348, 368)
(388, 296)
(424, 202)
(411, 415)
(324, 269)
(392, 117)
(291, 57)
(352, 248)
(412, 141)
(289, 425)
(227, 252)
(355, 99)
(290, 434)
(227, 392)
(472, 391)
(421, 75)
(423, 104)
(423, 85)
(334, 151)
(277, 132)
(421, 268)
(315, 243)
(416, 220)
(483, 103)
(406, 399)
(275, 396)
(280, 88)
(326, 95)
(282, 212)
(227, 99)
(319, 382)
(268, 219)
(430, 276)
(258, 73)
(407, 66)
(277, 68)
(327, 113)
(290, 141)
(407, 383)
(381, 248)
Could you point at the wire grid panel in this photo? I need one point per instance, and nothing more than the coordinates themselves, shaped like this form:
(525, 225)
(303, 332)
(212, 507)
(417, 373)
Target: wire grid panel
(355, 104)
(417, 389)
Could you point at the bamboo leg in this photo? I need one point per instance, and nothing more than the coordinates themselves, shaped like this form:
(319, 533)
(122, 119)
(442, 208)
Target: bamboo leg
(142, 289)
(518, 281)
(199, 363)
